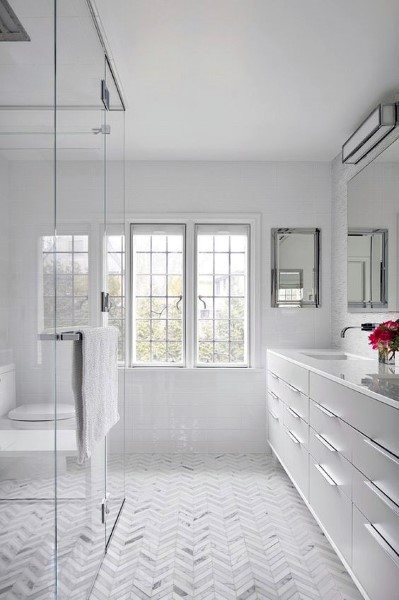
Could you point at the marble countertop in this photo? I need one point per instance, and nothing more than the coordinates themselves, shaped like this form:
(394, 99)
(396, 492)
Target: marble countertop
(362, 374)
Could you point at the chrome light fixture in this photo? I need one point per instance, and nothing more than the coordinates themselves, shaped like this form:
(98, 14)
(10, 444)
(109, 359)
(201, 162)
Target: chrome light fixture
(11, 28)
(373, 129)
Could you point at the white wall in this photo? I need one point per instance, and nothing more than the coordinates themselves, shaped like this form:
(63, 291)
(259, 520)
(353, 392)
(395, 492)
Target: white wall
(5, 355)
(225, 410)
(172, 409)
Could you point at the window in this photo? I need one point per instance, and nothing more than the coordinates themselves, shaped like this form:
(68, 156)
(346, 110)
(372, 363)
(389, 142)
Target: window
(222, 295)
(116, 257)
(290, 286)
(158, 294)
(66, 270)
(212, 326)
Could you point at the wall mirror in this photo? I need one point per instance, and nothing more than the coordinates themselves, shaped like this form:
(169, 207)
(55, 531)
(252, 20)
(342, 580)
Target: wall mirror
(295, 267)
(372, 249)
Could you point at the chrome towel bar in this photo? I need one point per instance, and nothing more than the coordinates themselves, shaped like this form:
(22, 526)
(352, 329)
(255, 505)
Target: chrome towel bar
(65, 336)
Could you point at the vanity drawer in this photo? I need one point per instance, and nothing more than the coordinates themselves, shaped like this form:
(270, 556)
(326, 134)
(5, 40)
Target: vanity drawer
(296, 425)
(277, 438)
(374, 563)
(332, 506)
(377, 463)
(377, 507)
(334, 464)
(290, 372)
(292, 396)
(333, 429)
(275, 405)
(377, 420)
(297, 461)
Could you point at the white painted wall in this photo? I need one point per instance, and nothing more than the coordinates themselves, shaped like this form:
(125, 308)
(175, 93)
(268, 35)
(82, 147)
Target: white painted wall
(172, 409)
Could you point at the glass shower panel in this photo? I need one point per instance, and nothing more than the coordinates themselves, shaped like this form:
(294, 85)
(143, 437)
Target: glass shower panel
(115, 285)
(80, 201)
(27, 349)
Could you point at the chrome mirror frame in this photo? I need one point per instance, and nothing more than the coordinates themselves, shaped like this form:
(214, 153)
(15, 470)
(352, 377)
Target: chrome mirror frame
(275, 233)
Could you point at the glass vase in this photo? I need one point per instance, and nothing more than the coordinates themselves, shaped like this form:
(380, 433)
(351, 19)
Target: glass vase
(386, 356)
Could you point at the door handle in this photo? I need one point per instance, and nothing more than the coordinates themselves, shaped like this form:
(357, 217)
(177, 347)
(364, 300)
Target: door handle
(325, 443)
(323, 410)
(382, 450)
(326, 476)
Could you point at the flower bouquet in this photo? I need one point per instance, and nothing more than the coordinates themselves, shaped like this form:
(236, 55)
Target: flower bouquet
(385, 339)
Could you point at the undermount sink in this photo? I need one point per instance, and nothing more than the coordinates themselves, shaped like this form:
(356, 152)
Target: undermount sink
(333, 356)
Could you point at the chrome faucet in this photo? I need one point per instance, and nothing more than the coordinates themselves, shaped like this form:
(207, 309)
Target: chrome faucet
(363, 327)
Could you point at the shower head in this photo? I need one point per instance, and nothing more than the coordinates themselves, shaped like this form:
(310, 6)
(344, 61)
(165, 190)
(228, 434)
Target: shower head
(11, 28)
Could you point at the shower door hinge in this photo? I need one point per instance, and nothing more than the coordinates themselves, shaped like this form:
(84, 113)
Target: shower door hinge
(105, 129)
(104, 509)
(104, 302)
(104, 94)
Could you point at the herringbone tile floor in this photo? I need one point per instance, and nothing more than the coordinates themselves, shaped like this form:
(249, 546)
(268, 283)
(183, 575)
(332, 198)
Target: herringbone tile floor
(217, 527)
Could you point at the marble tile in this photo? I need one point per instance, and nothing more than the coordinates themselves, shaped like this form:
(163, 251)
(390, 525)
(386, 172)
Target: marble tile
(217, 526)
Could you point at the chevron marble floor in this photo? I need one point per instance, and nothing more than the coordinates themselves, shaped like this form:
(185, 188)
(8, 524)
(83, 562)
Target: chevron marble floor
(217, 527)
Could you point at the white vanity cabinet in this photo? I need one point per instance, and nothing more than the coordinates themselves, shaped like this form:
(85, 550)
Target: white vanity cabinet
(340, 447)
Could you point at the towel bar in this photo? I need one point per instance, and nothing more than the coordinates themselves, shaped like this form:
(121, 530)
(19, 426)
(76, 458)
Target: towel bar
(65, 336)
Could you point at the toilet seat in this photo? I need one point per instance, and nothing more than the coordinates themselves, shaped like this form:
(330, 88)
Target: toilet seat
(41, 412)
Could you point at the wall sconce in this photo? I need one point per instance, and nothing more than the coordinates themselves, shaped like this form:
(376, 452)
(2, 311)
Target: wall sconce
(373, 129)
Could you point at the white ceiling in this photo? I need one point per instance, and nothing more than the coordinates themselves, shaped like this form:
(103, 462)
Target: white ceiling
(250, 79)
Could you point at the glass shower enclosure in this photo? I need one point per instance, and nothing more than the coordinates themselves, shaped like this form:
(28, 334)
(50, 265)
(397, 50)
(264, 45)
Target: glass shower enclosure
(62, 267)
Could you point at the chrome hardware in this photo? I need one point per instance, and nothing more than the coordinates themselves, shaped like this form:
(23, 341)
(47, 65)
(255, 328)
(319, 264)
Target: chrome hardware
(273, 415)
(293, 413)
(104, 509)
(326, 476)
(203, 301)
(382, 496)
(362, 327)
(105, 129)
(325, 443)
(292, 436)
(105, 302)
(323, 410)
(382, 450)
(381, 541)
(274, 375)
(273, 395)
(291, 387)
(65, 336)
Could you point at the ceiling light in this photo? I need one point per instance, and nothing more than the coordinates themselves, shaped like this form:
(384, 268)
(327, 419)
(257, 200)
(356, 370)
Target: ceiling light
(11, 28)
(373, 129)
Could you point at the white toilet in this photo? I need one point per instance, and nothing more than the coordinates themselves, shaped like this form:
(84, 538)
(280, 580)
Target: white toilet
(27, 433)
(27, 412)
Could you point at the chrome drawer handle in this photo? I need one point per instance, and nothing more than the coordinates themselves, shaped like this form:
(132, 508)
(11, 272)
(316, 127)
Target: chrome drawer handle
(326, 476)
(273, 415)
(382, 496)
(325, 443)
(291, 387)
(381, 541)
(323, 410)
(292, 436)
(273, 395)
(382, 450)
(293, 413)
(273, 375)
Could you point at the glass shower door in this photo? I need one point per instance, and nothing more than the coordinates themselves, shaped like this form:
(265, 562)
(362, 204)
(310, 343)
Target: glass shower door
(80, 200)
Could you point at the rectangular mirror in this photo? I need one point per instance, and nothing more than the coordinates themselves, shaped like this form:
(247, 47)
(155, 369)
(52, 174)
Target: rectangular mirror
(295, 270)
(372, 256)
(367, 268)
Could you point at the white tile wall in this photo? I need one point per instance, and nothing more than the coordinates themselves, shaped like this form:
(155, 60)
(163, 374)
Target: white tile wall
(178, 409)
(4, 261)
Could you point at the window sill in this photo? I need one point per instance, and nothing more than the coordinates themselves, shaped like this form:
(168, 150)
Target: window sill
(198, 369)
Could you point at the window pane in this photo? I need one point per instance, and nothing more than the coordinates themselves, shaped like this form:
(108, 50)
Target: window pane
(222, 299)
(116, 286)
(158, 274)
(65, 272)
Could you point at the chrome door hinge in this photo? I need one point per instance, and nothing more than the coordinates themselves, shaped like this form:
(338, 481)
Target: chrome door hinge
(104, 94)
(104, 509)
(105, 129)
(105, 304)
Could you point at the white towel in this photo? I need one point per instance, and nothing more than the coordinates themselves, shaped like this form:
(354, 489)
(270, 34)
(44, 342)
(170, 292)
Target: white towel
(95, 386)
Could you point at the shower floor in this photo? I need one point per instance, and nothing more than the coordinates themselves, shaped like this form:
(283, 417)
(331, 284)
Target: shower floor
(217, 527)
